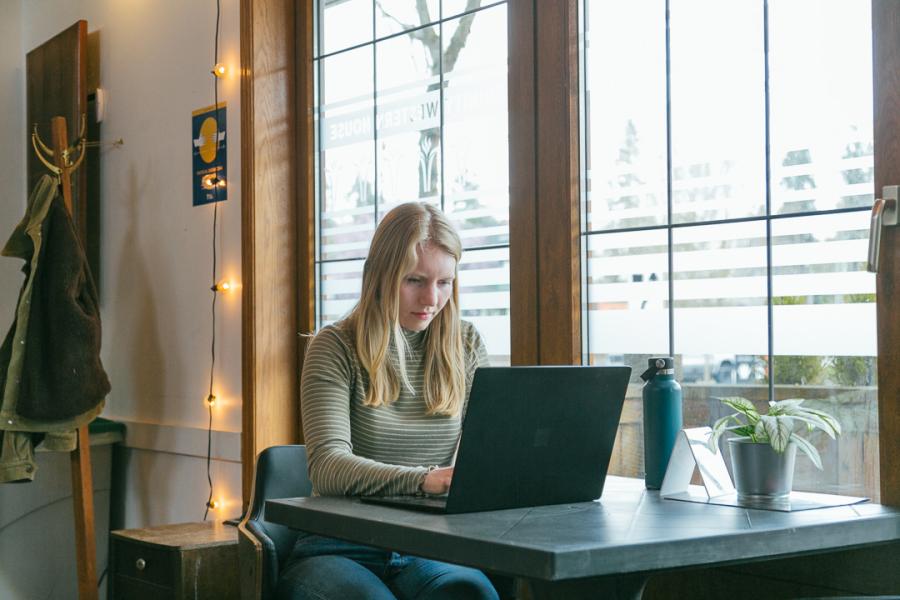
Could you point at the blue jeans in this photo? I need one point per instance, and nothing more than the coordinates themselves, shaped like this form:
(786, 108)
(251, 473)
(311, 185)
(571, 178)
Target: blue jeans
(322, 568)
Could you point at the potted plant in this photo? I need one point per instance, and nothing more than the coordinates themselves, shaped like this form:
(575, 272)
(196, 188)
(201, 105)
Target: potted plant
(765, 445)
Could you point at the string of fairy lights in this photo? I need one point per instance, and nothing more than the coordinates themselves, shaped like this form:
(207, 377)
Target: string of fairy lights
(216, 184)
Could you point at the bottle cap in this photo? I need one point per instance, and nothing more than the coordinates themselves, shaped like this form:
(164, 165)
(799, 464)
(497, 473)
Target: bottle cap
(664, 364)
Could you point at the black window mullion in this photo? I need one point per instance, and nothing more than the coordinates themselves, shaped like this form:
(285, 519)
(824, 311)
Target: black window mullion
(320, 71)
(669, 207)
(443, 196)
(769, 308)
(374, 116)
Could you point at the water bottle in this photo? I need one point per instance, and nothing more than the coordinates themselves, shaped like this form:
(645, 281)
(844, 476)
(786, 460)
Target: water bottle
(662, 418)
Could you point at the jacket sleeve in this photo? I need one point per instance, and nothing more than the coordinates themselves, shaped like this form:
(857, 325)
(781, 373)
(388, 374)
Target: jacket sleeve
(326, 390)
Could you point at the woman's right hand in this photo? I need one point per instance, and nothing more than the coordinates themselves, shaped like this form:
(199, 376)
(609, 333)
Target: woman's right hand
(437, 482)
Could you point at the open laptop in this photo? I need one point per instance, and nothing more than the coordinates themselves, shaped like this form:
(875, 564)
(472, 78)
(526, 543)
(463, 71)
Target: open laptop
(531, 436)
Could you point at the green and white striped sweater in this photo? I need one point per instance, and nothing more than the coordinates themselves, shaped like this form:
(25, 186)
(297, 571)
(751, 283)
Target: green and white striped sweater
(355, 449)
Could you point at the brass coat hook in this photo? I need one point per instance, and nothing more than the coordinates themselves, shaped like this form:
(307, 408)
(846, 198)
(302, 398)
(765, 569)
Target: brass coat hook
(46, 156)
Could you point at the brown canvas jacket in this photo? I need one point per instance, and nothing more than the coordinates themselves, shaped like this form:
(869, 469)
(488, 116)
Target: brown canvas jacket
(51, 376)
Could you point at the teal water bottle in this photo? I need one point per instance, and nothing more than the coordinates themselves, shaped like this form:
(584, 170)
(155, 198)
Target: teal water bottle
(662, 418)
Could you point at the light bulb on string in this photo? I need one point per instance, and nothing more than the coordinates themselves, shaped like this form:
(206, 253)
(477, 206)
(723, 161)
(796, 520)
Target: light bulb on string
(211, 181)
(219, 70)
(211, 400)
(224, 286)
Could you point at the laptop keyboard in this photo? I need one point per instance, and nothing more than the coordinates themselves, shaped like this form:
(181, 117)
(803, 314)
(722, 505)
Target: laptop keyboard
(437, 504)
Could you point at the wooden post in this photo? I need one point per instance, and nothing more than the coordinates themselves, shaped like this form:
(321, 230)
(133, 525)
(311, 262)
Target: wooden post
(82, 478)
(544, 174)
(270, 172)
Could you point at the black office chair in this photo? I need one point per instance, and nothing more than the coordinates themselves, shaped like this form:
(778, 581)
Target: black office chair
(264, 546)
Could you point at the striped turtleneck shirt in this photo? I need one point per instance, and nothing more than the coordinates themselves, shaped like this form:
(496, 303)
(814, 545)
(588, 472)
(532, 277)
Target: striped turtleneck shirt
(355, 449)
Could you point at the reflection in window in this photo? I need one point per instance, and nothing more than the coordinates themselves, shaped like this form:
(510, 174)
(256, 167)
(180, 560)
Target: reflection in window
(411, 106)
(750, 273)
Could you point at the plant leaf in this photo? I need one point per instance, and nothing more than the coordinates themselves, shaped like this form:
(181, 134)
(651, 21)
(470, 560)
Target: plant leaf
(742, 431)
(791, 402)
(808, 449)
(720, 427)
(721, 423)
(759, 431)
(814, 418)
(778, 429)
(814, 421)
(833, 423)
(743, 406)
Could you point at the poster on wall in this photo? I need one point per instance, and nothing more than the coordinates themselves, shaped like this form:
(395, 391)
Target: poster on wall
(210, 157)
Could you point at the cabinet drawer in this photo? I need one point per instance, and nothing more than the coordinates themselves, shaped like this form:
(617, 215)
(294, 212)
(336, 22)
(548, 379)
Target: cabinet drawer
(144, 563)
(127, 588)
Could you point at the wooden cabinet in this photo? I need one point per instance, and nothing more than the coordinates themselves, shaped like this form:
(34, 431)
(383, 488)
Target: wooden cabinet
(192, 561)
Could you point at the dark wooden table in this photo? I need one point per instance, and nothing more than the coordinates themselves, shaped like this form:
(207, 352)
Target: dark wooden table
(609, 547)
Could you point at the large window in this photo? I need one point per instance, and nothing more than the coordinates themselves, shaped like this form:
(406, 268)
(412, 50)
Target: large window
(728, 179)
(411, 105)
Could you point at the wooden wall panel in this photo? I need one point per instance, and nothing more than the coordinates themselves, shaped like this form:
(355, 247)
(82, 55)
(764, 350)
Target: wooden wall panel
(56, 86)
(269, 229)
(886, 63)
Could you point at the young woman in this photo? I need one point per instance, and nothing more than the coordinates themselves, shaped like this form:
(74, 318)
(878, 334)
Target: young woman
(383, 393)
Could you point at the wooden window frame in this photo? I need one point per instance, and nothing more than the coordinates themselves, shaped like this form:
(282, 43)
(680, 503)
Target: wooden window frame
(886, 64)
(544, 176)
(278, 204)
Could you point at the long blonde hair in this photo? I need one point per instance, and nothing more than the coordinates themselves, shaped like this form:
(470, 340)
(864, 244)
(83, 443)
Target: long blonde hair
(375, 320)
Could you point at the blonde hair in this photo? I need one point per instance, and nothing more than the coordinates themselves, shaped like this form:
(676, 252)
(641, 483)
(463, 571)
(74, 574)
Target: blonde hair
(375, 320)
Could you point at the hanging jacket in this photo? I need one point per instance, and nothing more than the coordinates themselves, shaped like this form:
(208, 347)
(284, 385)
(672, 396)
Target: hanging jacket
(51, 377)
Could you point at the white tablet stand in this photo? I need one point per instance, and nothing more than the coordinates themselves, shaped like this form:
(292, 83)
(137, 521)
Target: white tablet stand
(692, 452)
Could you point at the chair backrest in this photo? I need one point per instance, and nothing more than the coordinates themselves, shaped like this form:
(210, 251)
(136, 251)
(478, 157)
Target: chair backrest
(281, 472)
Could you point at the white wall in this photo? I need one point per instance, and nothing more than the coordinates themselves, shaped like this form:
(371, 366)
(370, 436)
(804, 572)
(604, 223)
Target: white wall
(36, 529)
(156, 249)
(12, 150)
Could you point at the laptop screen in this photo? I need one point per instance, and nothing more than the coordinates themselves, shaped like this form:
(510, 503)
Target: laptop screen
(537, 435)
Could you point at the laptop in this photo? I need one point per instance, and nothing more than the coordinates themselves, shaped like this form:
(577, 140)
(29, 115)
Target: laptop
(531, 436)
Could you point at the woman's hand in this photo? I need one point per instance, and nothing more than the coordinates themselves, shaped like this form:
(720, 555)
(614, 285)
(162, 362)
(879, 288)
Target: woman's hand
(438, 481)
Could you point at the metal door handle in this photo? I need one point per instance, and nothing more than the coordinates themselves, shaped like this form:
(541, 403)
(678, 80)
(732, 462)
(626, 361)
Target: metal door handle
(884, 213)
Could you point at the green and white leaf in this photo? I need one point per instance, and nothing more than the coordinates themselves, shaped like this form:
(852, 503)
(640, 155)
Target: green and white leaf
(785, 403)
(833, 423)
(814, 421)
(808, 449)
(743, 406)
(718, 428)
(778, 429)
